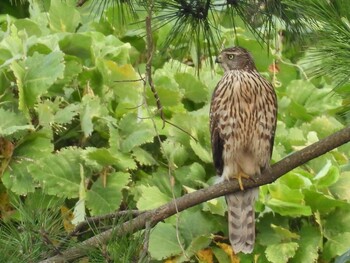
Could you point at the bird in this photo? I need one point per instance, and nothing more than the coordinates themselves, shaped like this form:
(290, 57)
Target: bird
(243, 115)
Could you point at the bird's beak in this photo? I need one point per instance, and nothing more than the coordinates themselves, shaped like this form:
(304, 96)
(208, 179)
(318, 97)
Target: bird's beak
(218, 59)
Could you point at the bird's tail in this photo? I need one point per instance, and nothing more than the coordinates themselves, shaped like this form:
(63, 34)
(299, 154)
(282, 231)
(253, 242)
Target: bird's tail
(241, 219)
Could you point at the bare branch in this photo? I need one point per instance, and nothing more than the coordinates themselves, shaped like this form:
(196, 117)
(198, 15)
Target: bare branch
(152, 217)
(150, 47)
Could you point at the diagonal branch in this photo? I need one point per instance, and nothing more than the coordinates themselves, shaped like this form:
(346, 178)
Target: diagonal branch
(154, 216)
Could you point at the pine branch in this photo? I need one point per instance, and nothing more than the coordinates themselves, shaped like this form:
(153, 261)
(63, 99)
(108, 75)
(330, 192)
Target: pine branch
(154, 216)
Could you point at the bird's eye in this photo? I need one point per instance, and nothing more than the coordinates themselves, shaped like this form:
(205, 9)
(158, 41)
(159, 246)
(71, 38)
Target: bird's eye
(230, 56)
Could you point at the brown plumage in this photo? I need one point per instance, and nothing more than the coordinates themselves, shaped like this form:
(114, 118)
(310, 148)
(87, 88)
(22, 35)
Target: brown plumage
(243, 116)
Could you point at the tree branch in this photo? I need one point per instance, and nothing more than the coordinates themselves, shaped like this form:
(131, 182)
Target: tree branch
(154, 216)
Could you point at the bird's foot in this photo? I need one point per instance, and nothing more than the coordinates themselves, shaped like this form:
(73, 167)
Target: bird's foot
(239, 177)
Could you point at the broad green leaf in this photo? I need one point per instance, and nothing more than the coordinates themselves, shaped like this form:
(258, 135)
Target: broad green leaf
(35, 75)
(206, 224)
(342, 186)
(194, 89)
(203, 153)
(102, 199)
(125, 161)
(267, 235)
(288, 208)
(12, 122)
(282, 192)
(221, 256)
(285, 233)
(321, 202)
(58, 14)
(134, 132)
(77, 45)
(143, 157)
(29, 26)
(336, 246)
(309, 245)
(151, 197)
(125, 83)
(59, 174)
(163, 242)
(17, 177)
(137, 138)
(102, 156)
(216, 206)
(192, 175)
(91, 107)
(327, 176)
(337, 222)
(281, 253)
(175, 152)
(66, 114)
(79, 212)
(295, 179)
(196, 245)
(98, 158)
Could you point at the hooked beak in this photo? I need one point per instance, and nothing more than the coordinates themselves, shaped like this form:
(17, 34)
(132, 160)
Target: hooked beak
(218, 59)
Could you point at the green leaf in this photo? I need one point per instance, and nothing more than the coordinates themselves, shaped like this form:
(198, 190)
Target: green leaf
(137, 138)
(175, 152)
(91, 107)
(342, 186)
(77, 45)
(163, 236)
(102, 199)
(195, 90)
(58, 13)
(282, 192)
(337, 222)
(35, 75)
(143, 157)
(12, 123)
(196, 244)
(281, 253)
(59, 174)
(134, 132)
(151, 197)
(309, 245)
(288, 208)
(18, 179)
(321, 202)
(34, 146)
(221, 256)
(102, 156)
(203, 153)
(205, 224)
(327, 176)
(285, 233)
(336, 246)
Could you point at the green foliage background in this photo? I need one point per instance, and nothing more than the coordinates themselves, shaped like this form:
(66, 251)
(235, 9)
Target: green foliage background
(76, 132)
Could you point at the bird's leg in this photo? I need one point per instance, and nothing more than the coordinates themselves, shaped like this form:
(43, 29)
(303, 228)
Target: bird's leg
(239, 177)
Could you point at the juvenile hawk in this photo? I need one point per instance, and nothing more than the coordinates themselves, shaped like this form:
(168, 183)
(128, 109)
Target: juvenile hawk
(243, 117)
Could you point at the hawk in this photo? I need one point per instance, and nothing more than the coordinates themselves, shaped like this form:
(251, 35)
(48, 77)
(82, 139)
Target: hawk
(243, 115)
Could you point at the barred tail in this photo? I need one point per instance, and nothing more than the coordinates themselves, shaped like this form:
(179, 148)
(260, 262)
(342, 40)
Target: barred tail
(241, 220)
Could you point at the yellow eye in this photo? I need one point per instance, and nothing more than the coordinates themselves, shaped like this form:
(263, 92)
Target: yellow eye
(230, 56)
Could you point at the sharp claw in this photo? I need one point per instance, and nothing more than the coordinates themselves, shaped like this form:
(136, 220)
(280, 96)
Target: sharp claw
(239, 178)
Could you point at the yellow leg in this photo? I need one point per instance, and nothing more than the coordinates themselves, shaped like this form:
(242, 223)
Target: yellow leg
(239, 177)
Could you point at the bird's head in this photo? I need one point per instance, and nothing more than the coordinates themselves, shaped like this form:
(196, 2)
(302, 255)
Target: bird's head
(235, 58)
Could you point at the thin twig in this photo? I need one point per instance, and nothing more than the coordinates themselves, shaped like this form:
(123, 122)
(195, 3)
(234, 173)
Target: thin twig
(150, 47)
(189, 200)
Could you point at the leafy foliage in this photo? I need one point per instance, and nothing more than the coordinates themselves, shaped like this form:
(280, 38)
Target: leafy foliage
(78, 125)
